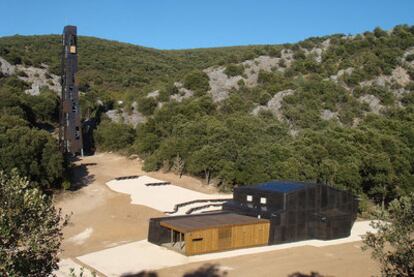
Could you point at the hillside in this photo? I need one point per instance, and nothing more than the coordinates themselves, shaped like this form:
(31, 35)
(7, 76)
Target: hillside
(336, 109)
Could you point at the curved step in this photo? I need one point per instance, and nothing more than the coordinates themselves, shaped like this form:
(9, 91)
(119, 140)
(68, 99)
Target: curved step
(158, 184)
(181, 205)
(195, 209)
(127, 177)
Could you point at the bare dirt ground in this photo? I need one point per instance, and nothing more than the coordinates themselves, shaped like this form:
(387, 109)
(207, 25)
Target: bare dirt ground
(102, 218)
(338, 260)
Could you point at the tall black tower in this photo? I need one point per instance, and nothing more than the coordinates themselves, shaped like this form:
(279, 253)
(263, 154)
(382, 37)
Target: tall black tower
(70, 120)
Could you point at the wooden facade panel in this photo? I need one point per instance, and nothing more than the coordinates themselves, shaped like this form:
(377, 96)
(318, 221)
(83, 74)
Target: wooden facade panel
(226, 238)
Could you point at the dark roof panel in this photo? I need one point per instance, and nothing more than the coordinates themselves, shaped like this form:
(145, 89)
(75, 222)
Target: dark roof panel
(207, 221)
(280, 186)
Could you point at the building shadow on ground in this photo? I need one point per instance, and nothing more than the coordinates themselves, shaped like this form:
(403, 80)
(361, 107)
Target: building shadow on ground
(312, 274)
(213, 270)
(80, 176)
(207, 270)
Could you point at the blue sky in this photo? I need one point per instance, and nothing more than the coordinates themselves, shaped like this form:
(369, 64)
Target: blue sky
(177, 24)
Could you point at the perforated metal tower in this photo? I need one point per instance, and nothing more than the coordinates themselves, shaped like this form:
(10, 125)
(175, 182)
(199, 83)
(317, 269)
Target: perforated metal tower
(70, 118)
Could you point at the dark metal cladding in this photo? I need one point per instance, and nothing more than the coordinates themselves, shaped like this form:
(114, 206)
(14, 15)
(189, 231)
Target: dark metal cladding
(296, 210)
(70, 119)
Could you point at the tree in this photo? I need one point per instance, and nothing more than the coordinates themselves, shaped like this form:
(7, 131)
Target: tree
(378, 175)
(393, 243)
(34, 153)
(178, 165)
(197, 81)
(114, 136)
(30, 229)
(147, 105)
(206, 161)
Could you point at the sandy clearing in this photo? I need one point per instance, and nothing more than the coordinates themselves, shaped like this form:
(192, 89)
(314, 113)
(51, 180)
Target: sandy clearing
(346, 260)
(148, 257)
(116, 222)
(162, 198)
(111, 216)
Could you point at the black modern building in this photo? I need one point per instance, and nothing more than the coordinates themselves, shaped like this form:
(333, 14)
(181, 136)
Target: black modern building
(284, 212)
(70, 134)
(297, 210)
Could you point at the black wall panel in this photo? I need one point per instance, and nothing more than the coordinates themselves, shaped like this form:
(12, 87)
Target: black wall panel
(313, 211)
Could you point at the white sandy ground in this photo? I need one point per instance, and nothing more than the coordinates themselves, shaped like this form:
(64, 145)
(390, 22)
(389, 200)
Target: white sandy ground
(65, 267)
(163, 197)
(142, 255)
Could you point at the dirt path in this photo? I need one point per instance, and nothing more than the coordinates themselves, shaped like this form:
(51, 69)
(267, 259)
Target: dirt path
(102, 218)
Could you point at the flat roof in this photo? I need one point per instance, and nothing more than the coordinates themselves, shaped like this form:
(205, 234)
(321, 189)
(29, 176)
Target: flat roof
(207, 221)
(280, 186)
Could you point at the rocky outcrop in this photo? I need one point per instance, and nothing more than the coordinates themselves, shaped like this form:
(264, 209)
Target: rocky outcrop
(34, 76)
(121, 116)
(341, 73)
(153, 94)
(183, 93)
(221, 84)
(318, 51)
(409, 51)
(275, 104)
(6, 68)
(399, 76)
(373, 102)
(329, 115)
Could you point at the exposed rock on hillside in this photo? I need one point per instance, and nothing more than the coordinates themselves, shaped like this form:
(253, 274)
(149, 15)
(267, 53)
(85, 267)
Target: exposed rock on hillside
(275, 104)
(36, 77)
(121, 116)
(399, 76)
(373, 102)
(409, 51)
(221, 84)
(265, 63)
(329, 115)
(6, 68)
(318, 51)
(183, 93)
(341, 73)
(153, 94)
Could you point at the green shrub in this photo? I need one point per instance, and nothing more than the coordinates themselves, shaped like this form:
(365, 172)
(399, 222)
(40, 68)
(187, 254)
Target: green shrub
(113, 136)
(197, 81)
(409, 58)
(264, 98)
(147, 105)
(234, 70)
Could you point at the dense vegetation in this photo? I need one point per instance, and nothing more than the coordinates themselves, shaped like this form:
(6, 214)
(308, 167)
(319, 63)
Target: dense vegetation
(370, 153)
(30, 229)
(115, 68)
(25, 143)
(393, 243)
